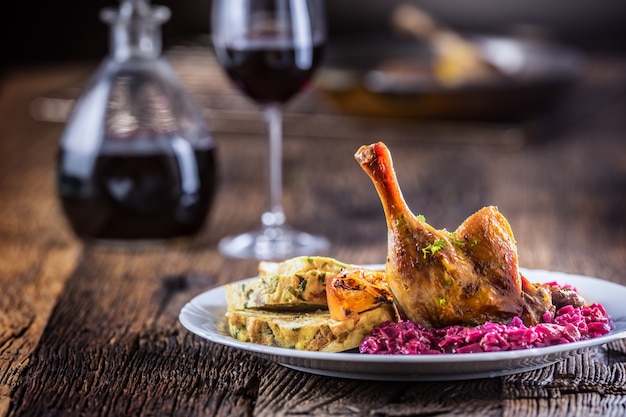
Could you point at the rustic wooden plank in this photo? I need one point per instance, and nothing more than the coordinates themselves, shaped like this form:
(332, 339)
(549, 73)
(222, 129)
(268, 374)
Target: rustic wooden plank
(286, 395)
(25, 307)
(575, 404)
(119, 310)
(37, 254)
(106, 340)
(118, 314)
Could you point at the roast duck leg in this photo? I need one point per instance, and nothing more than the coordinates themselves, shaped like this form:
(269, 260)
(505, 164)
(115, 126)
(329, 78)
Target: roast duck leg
(440, 278)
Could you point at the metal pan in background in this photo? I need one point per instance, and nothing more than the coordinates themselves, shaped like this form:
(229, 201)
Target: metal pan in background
(393, 78)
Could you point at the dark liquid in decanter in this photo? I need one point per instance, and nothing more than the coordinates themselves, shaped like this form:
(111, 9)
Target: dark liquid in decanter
(150, 196)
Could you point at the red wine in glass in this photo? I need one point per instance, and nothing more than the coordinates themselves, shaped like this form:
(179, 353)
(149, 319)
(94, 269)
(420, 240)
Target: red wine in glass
(270, 73)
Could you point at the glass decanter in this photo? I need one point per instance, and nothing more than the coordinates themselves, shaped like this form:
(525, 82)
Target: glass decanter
(137, 161)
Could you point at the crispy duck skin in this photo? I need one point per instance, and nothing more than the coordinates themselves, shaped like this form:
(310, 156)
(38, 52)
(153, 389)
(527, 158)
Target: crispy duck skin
(439, 278)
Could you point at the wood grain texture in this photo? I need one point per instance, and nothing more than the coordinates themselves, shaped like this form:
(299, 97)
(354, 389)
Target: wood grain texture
(36, 254)
(94, 331)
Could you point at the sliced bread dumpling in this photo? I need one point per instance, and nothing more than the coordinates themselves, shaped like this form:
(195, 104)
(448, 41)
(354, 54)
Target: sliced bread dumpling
(301, 264)
(298, 283)
(314, 331)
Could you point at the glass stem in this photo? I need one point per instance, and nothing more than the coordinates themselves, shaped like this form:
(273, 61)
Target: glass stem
(275, 217)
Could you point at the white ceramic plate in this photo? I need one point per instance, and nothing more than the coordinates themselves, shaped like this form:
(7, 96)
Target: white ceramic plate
(204, 316)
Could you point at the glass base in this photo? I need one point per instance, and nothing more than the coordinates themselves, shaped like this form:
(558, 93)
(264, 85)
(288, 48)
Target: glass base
(273, 244)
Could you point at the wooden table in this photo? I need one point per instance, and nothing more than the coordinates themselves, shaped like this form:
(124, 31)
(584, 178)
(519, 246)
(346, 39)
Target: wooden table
(94, 331)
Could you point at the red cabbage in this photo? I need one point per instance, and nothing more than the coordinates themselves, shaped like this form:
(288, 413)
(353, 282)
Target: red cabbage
(568, 324)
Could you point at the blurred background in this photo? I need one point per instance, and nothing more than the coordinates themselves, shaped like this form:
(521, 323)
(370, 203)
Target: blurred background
(48, 31)
(502, 163)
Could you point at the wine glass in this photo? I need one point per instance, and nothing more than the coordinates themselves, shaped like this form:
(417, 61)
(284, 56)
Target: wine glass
(270, 49)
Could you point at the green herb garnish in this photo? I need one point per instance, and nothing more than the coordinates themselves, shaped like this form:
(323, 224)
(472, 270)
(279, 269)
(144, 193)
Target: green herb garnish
(455, 240)
(434, 247)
